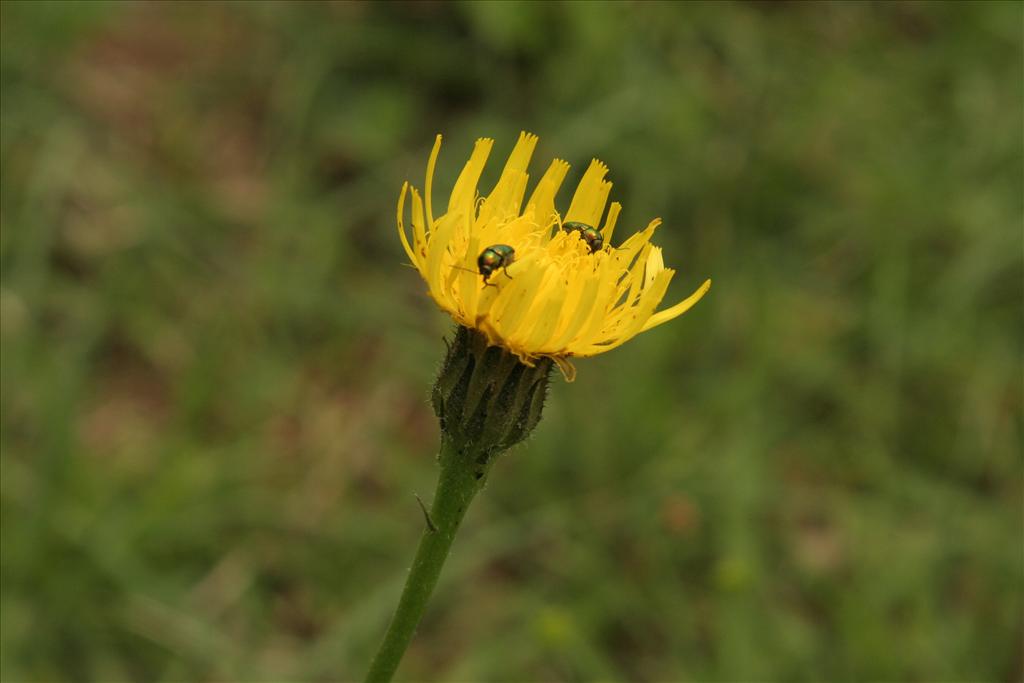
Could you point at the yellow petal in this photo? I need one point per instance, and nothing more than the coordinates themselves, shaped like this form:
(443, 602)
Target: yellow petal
(655, 264)
(507, 196)
(677, 310)
(635, 277)
(464, 192)
(591, 194)
(516, 298)
(419, 231)
(428, 185)
(436, 250)
(401, 224)
(552, 294)
(469, 281)
(625, 254)
(604, 298)
(609, 223)
(641, 312)
(579, 304)
(543, 198)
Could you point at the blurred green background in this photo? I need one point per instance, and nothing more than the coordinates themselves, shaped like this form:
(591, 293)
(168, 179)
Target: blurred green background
(215, 366)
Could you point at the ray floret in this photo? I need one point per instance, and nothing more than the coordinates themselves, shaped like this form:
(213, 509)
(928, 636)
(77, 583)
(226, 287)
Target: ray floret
(555, 299)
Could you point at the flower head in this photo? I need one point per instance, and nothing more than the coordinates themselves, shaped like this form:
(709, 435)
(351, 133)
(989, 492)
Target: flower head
(530, 279)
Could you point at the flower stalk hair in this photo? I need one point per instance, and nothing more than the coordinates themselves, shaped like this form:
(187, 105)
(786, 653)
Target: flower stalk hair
(529, 289)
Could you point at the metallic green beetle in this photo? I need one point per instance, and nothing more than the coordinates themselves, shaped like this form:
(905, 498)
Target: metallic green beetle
(494, 257)
(588, 233)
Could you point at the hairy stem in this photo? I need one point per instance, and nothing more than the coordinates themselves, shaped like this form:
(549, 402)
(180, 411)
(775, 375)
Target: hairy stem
(461, 478)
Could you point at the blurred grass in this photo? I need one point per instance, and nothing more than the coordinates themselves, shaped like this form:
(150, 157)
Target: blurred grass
(215, 366)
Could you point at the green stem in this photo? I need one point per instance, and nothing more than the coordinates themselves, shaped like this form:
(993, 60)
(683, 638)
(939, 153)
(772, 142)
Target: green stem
(461, 477)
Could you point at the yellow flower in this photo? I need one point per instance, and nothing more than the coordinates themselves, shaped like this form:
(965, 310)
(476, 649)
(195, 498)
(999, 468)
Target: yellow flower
(555, 299)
